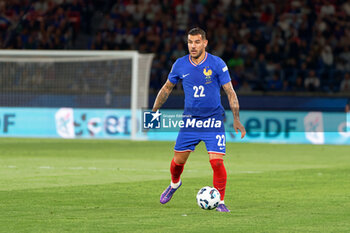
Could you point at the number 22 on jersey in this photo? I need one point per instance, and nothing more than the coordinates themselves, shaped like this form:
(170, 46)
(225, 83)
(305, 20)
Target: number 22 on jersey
(198, 91)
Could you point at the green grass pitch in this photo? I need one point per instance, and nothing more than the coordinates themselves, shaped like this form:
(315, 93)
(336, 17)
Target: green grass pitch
(52, 185)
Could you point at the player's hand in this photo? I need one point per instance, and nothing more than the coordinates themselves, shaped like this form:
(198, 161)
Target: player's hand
(238, 126)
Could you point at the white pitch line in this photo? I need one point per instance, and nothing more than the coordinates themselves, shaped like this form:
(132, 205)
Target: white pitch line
(133, 169)
(76, 168)
(46, 167)
(249, 172)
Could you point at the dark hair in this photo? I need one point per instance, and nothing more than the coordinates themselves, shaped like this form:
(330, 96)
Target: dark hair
(197, 31)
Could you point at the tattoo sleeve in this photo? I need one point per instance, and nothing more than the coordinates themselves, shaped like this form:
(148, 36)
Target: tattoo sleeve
(163, 95)
(232, 99)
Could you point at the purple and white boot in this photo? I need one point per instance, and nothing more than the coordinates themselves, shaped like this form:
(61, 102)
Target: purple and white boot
(222, 208)
(168, 194)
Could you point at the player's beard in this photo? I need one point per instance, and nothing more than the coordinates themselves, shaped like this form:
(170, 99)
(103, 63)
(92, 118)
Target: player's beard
(199, 54)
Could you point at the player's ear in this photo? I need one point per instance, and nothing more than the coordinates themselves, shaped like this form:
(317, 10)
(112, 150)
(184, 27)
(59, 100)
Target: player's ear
(205, 43)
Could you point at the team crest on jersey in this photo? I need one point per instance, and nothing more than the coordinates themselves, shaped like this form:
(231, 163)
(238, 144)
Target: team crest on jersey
(207, 72)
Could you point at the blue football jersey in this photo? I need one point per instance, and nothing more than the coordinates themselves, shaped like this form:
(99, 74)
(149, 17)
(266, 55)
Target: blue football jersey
(201, 84)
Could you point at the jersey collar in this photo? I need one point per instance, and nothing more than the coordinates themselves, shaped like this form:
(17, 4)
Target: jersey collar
(200, 63)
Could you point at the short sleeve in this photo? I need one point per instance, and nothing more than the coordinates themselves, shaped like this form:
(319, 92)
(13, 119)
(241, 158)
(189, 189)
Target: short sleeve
(173, 75)
(222, 71)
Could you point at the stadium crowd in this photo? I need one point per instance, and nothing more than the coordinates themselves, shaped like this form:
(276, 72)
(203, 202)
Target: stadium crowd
(268, 45)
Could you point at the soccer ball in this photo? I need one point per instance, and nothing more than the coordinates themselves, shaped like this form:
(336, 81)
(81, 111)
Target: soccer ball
(208, 198)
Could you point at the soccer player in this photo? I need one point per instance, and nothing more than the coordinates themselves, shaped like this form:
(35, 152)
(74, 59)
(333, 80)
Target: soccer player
(202, 75)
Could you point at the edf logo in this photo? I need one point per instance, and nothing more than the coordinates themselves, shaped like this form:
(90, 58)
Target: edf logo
(151, 120)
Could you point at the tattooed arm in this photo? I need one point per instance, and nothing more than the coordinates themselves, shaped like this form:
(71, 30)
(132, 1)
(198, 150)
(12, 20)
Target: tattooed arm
(234, 105)
(163, 95)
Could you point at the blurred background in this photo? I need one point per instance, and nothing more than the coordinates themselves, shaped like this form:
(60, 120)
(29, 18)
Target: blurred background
(282, 55)
(291, 47)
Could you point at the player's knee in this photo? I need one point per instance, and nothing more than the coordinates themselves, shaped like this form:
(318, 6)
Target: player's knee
(180, 158)
(179, 161)
(216, 156)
